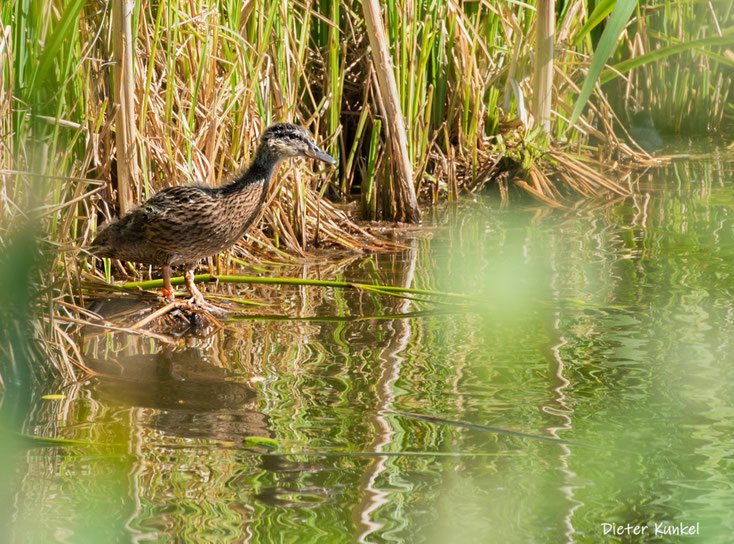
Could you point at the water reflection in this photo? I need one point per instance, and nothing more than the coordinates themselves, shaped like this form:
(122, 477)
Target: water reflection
(190, 395)
(610, 325)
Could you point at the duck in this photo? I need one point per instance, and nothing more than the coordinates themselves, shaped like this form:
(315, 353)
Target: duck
(184, 224)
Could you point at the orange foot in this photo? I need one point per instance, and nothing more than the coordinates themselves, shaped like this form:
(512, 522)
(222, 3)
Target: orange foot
(168, 293)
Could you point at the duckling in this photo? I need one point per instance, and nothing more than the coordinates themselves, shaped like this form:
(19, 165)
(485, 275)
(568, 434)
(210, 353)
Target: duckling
(184, 224)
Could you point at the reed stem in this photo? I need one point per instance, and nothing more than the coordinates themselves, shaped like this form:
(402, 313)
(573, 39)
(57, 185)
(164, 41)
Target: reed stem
(543, 83)
(406, 204)
(124, 87)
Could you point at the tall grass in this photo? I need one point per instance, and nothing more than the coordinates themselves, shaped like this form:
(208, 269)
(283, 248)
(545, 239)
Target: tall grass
(209, 75)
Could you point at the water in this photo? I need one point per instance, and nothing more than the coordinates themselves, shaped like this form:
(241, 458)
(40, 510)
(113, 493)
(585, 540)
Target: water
(609, 326)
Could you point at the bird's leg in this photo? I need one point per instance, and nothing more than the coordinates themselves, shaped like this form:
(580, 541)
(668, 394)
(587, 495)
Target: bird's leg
(167, 287)
(196, 296)
(121, 268)
(197, 299)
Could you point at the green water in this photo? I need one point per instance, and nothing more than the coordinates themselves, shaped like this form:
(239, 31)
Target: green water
(610, 326)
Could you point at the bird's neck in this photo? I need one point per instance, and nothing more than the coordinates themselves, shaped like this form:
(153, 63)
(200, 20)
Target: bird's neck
(259, 172)
(246, 193)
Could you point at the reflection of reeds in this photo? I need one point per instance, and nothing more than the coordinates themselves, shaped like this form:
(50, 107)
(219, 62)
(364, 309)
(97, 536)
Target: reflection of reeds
(202, 83)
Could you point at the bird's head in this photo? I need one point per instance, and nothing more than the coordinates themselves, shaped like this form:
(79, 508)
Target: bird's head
(284, 140)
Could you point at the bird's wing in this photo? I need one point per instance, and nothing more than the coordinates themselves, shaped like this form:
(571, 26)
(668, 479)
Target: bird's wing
(171, 216)
(164, 224)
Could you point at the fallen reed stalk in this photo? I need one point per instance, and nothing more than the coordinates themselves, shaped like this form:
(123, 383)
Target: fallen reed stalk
(385, 289)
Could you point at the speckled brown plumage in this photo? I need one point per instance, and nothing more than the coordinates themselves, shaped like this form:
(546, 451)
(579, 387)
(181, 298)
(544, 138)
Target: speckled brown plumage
(182, 225)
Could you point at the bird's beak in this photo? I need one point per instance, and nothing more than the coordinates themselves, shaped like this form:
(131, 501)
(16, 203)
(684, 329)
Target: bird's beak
(317, 153)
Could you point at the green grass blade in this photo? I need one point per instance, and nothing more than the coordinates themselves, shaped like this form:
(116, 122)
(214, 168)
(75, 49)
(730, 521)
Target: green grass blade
(62, 30)
(387, 289)
(600, 12)
(618, 20)
(635, 62)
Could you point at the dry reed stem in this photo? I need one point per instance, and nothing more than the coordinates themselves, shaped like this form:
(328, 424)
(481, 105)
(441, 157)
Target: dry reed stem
(407, 204)
(543, 80)
(124, 84)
